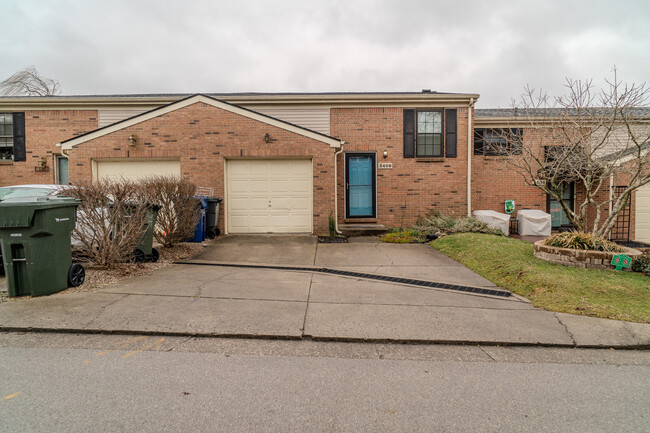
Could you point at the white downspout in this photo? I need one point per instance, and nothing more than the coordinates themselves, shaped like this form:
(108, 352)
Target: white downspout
(611, 197)
(336, 189)
(469, 156)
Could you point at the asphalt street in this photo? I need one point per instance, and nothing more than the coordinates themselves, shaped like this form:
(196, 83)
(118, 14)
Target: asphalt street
(73, 383)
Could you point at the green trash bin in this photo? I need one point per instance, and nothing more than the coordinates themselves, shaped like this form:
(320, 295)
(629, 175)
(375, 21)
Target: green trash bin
(145, 251)
(35, 243)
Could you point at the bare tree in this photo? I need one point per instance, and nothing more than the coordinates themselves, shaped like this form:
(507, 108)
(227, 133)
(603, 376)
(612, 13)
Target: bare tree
(29, 82)
(593, 137)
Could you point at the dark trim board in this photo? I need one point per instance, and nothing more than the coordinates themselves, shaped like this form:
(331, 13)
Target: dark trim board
(373, 156)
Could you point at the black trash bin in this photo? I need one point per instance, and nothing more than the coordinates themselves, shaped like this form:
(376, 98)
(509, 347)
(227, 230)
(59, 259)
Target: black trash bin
(212, 217)
(35, 244)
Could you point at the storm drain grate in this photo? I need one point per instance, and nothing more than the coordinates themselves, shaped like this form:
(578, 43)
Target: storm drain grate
(412, 282)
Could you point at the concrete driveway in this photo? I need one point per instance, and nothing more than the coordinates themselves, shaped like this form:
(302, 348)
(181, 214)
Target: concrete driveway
(213, 298)
(361, 254)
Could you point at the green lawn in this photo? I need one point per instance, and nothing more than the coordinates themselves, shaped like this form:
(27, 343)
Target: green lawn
(509, 263)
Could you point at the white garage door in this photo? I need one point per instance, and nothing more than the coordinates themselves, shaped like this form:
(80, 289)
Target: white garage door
(136, 169)
(269, 196)
(642, 224)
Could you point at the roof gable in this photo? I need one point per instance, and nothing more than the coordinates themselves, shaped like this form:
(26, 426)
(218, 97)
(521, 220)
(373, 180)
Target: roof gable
(68, 144)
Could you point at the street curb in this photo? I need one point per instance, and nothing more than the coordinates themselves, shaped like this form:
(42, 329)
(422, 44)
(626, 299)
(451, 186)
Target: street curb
(326, 339)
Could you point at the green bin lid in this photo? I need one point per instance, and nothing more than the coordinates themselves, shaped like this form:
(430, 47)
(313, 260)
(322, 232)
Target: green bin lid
(21, 213)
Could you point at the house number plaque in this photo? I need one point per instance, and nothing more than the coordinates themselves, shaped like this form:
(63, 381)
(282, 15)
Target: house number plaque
(385, 165)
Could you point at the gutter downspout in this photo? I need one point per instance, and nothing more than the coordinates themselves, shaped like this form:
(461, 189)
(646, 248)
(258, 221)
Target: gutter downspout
(336, 195)
(611, 197)
(469, 157)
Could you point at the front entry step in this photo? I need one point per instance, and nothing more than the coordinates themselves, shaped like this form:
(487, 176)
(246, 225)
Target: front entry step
(362, 229)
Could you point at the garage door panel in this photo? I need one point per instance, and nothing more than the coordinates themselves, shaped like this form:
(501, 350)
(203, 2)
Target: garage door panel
(134, 169)
(284, 184)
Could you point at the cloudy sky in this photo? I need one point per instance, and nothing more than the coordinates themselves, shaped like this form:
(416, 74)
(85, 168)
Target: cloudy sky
(491, 47)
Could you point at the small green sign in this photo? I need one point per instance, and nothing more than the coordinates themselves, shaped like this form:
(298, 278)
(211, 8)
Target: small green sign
(510, 206)
(621, 261)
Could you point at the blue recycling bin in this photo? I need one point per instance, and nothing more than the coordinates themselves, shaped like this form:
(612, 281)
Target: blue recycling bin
(199, 232)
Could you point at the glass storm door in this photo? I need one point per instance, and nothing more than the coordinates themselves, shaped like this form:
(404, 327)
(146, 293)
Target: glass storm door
(360, 185)
(558, 217)
(62, 171)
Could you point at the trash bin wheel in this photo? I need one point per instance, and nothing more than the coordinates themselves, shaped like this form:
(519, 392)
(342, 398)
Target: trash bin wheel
(217, 232)
(138, 255)
(76, 275)
(210, 234)
(155, 255)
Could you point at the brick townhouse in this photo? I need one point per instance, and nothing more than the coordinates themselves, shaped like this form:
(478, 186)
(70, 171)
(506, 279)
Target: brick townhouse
(284, 162)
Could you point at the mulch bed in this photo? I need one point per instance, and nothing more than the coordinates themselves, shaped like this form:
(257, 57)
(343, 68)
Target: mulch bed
(97, 278)
(332, 240)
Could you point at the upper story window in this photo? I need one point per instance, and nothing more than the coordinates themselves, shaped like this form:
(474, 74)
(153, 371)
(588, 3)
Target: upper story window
(430, 133)
(6, 136)
(429, 136)
(498, 141)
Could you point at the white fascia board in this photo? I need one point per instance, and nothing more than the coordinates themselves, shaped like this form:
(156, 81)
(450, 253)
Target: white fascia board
(206, 100)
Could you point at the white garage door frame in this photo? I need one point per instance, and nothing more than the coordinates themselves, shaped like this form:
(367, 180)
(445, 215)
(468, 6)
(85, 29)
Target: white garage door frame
(642, 214)
(227, 201)
(165, 163)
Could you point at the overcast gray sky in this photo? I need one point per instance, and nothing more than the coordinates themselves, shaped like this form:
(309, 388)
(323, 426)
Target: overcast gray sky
(489, 47)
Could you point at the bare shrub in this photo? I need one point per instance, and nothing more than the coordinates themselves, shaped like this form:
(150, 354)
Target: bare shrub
(180, 211)
(110, 221)
(435, 222)
(582, 241)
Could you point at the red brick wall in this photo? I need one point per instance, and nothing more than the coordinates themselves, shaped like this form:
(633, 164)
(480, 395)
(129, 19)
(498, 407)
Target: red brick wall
(494, 181)
(414, 186)
(43, 129)
(202, 136)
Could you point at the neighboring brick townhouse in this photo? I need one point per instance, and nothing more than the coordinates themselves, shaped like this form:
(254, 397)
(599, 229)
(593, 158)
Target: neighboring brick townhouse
(283, 162)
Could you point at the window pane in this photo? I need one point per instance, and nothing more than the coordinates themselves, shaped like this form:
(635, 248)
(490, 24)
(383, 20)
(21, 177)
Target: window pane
(437, 150)
(426, 121)
(437, 122)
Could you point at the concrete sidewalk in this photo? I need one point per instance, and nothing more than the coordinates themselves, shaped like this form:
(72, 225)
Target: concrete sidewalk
(220, 300)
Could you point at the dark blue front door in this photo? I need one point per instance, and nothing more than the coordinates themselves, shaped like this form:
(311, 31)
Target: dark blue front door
(360, 185)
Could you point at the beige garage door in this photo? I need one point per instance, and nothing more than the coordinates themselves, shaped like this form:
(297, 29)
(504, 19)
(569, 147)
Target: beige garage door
(642, 224)
(269, 196)
(136, 169)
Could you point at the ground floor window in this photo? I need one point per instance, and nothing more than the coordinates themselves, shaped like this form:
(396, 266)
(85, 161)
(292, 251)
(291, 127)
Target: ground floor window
(6, 137)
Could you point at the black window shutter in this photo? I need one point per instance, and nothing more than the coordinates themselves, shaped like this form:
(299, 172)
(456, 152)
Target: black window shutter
(409, 133)
(450, 133)
(478, 141)
(19, 137)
